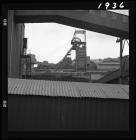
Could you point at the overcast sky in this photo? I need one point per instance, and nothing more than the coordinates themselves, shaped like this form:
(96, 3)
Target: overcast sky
(51, 41)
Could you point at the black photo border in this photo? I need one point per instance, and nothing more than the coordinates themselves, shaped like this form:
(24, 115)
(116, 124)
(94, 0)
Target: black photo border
(70, 134)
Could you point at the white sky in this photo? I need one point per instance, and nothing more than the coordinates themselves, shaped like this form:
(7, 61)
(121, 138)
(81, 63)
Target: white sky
(51, 41)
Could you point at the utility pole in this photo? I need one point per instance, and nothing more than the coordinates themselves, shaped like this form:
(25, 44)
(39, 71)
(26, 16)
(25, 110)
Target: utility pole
(121, 51)
(122, 44)
(85, 54)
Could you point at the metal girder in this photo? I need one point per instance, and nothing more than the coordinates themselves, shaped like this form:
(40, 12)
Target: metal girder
(101, 21)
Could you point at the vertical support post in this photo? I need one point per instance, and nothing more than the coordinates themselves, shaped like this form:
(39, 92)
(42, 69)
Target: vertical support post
(30, 68)
(76, 60)
(85, 54)
(121, 51)
(90, 76)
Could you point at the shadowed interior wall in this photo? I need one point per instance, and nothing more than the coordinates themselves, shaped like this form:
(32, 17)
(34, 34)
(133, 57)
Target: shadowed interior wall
(15, 45)
(39, 113)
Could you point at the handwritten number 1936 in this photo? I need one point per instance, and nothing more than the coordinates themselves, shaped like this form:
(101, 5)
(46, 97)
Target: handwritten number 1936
(107, 4)
(114, 5)
(99, 5)
(121, 5)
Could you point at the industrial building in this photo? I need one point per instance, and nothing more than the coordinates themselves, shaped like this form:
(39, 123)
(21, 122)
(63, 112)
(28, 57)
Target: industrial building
(114, 75)
(106, 22)
(40, 105)
(108, 65)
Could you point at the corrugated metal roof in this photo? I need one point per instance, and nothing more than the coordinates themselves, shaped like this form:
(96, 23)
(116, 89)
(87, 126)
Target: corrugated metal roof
(67, 89)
